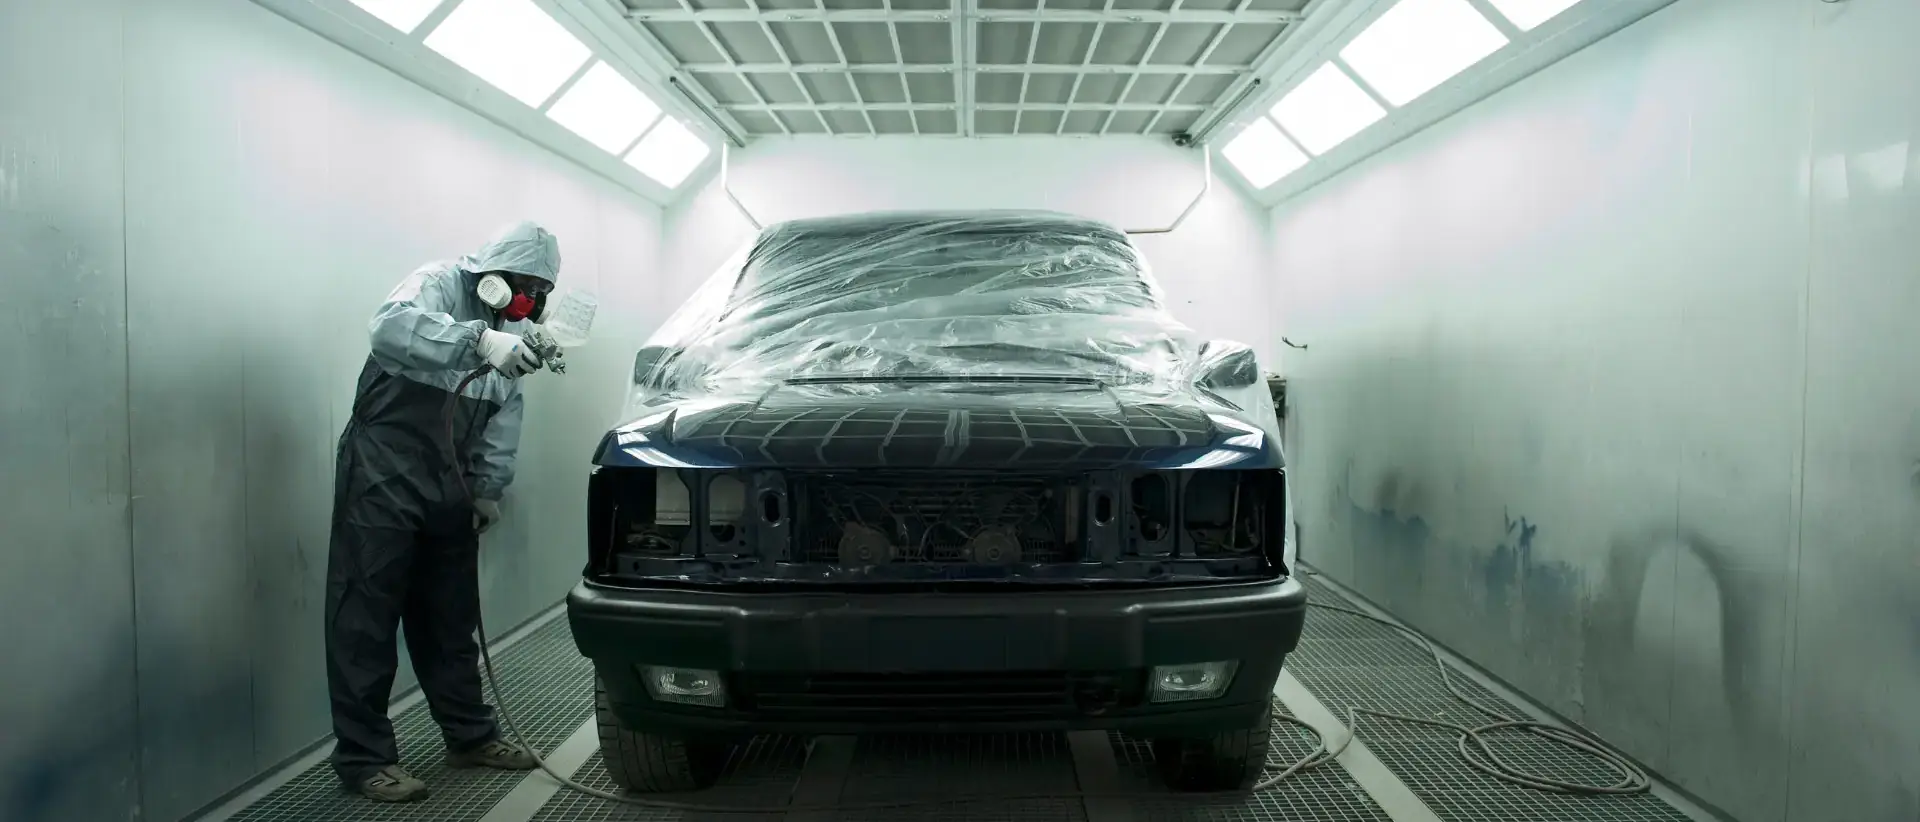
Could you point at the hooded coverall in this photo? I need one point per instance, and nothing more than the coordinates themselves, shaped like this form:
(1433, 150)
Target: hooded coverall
(404, 544)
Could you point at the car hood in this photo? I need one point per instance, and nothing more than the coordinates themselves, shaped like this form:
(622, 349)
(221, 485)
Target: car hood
(986, 423)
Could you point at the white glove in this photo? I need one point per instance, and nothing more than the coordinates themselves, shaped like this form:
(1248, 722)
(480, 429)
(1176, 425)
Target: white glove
(507, 353)
(486, 512)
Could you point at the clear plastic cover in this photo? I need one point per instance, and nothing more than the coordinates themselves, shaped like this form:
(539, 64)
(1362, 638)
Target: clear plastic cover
(1045, 329)
(910, 296)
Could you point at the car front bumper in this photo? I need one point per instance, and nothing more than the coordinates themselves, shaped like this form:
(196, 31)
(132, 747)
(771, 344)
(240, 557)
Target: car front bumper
(839, 662)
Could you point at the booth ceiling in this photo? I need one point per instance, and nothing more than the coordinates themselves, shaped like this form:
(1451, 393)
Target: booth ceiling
(967, 67)
(973, 68)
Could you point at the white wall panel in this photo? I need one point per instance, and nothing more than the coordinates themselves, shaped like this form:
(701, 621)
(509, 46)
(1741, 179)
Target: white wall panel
(275, 189)
(66, 655)
(1609, 387)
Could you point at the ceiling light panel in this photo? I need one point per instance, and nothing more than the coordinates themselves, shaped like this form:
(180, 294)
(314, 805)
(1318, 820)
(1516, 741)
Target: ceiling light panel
(668, 153)
(1326, 109)
(1525, 14)
(404, 15)
(1262, 154)
(1418, 44)
(511, 44)
(605, 108)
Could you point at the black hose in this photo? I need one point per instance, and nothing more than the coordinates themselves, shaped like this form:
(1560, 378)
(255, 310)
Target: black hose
(1476, 750)
(1473, 744)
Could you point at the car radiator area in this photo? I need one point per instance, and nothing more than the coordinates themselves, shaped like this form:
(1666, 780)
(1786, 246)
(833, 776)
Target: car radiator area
(697, 526)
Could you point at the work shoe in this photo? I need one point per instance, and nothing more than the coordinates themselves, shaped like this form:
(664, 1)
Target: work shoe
(496, 754)
(392, 784)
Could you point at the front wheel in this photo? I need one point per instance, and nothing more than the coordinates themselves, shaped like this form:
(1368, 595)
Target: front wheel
(654, 763)
(1227, 761)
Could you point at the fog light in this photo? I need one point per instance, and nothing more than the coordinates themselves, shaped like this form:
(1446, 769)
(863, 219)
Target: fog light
(1200, 680)
(685, 686)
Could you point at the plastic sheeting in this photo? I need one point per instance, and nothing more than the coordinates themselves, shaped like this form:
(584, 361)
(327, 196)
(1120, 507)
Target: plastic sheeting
(908, 297)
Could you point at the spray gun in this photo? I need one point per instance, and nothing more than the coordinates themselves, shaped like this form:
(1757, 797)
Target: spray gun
(564, 326)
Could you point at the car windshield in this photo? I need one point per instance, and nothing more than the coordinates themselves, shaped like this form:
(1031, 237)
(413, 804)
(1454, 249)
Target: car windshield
(836, 269)
(888, 297)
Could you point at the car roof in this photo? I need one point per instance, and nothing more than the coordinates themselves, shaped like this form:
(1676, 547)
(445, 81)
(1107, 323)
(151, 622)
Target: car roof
(959, 220)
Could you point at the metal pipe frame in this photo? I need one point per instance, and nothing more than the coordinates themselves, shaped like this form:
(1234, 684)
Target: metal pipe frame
(726, 186)
(1206, 187)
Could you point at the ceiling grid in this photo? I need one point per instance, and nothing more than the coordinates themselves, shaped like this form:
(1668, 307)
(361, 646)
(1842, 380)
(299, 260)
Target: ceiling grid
(1013, 67)
(1192, 70)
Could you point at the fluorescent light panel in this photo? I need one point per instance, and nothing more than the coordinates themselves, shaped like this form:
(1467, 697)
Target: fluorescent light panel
(1326, 109)
(668, 153)
(1525, 14)
(1262, 154)
(404, 15)
(1418, 44)
(606, 109)
(511, 44)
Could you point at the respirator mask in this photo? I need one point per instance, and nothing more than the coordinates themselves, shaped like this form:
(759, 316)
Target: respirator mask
(557, 326)
(511, 303)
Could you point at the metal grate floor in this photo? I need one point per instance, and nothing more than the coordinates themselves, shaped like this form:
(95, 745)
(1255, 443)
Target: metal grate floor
(544, 677)
(763, 772)
(1323, 794)
(1348, 661)
(931, 765)
(1344, 661)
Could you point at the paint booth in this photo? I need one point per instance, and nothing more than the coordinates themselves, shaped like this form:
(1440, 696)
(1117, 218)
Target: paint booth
(1558, 353)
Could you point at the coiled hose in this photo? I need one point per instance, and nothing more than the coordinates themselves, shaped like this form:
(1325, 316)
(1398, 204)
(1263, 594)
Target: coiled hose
(1473, 744)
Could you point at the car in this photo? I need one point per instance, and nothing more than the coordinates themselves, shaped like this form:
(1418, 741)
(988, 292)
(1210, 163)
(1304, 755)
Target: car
(910, 472)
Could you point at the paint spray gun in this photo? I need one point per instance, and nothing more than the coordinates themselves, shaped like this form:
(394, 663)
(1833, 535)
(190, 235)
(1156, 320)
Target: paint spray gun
(563, 325)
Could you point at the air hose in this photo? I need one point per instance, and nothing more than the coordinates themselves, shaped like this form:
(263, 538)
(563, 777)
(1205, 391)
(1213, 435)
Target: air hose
(1473, 744)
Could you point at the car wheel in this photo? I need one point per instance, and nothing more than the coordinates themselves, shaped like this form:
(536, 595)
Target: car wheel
(654, 763)
(1229, 761)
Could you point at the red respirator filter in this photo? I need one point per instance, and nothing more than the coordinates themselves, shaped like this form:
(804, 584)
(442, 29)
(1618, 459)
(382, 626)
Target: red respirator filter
(519, 308)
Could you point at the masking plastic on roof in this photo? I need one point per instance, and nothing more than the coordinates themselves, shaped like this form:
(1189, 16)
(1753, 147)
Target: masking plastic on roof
(872, 301)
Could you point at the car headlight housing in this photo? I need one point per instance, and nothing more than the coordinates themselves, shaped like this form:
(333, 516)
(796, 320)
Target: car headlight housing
(1191, 681)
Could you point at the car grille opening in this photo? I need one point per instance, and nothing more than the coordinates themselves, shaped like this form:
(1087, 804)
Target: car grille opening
(941, 696)
(877, 519)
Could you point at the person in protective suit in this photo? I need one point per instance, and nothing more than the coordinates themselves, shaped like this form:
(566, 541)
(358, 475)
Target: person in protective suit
(418, 478)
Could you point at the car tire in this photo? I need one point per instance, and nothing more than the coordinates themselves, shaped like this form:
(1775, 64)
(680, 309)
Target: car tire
(654, 763)
(1229, 761)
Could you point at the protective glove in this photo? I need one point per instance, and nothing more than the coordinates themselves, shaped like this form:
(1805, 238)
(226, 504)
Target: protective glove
(507, 353)
(486, 512)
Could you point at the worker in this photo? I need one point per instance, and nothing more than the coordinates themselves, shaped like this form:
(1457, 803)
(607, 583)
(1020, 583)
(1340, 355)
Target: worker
(407, 518)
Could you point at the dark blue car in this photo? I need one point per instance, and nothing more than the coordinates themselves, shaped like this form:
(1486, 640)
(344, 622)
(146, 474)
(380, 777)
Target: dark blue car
(937, 472)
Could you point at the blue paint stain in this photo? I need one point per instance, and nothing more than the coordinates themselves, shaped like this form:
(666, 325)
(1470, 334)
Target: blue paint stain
(1389, 547)
(1398, 551)
(1504, 565)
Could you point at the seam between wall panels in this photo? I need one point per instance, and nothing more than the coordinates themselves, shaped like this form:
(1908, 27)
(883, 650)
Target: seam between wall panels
(126, 385)
(253, 586)
(1797, 533)
(1690, 192)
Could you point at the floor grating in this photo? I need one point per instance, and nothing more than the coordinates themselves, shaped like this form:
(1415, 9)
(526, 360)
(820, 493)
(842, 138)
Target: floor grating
(1323, 794)
(1342, 660)
(548, 686)
(1347, 661)
(931, 765)
(762, 772)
